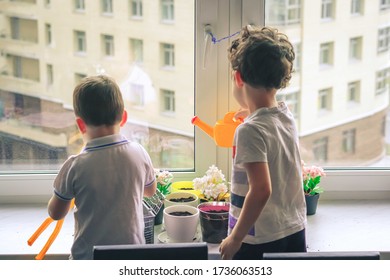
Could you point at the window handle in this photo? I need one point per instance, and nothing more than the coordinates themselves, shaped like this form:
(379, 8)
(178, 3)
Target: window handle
(208, 36)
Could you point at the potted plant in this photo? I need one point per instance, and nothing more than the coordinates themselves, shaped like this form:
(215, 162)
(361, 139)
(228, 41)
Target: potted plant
(311, 176)
(164, 180)
(214, 210)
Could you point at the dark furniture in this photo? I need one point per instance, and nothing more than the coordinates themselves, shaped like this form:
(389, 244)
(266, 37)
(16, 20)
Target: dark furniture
(366, 255)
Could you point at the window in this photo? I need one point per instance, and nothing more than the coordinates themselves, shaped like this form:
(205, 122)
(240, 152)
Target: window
(108, 45)
(326, 54)
(79, 5)
(382, 81)
(357, 7)
(80, 42)
(384, 39)
(48, 32)
(24, 29)
(291, 100)
(298, 57)
(107, 7)
(168, 101)
(138, 95)
(349, 141)
(320, 150)
(168, 55)
(167, 11)
(353, 95)
(368, 167)
(137, 50)
(284, 12)
(49, 73)
(327, 9)
(384, 4)
(325, 100)
(136, 9)
(355, 48)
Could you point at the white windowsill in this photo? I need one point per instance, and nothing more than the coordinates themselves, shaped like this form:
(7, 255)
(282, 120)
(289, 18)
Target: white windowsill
(338, 225)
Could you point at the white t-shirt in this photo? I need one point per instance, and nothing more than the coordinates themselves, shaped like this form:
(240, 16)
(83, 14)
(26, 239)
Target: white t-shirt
(270, 135)
(107, 180)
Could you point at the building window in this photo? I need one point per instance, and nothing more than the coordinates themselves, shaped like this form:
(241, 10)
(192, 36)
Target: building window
(167, 11)
(384, 39)
(48, 32)
(349, 139)
(108, 45)
(382, 81)
(357, 7)
(384, 4)
(168, 55)
(298, 57)
(107, 7)
(49, 74)
(327, 9)
(353, 95)
(292, 101)
(320, 149)
(136, 9)
(78, 77)
(168, 103)
(80, 42)
(79, 5)
(326, 54)
(24, 29)
(137, 95)
(137, 50)
(355, 48)
(325, 100)
(25, 68)
(283, 12)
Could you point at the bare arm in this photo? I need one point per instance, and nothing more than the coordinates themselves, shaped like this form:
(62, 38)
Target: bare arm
(150, 190)
(259, 192)
(58, 208)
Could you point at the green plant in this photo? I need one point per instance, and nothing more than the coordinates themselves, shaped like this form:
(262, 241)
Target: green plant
(311, 176)
(164, 181)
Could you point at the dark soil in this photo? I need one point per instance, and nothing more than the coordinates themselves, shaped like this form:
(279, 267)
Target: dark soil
(181, 213)
(182, 199)
(185, 189)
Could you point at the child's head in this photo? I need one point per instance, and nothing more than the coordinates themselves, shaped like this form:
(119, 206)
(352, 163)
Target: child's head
(98, 101)
(263, 56)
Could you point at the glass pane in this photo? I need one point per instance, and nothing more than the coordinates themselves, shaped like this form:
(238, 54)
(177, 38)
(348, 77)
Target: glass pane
(342, 109)
(37, 125)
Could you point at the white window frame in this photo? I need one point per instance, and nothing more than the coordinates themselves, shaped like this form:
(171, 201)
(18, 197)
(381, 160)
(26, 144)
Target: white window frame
(168, 55)
(384, 5)
(136, 9)
(211, 86)
(327, 10)
(355, 48)
(325, 100)
(79, 6)
(108, 45)
(357, 7)
(167, 11)
(107, 7)
(48, 34)
(353, 92)
(80, 42)
(326, 54)
(136, 49)
(384, 39)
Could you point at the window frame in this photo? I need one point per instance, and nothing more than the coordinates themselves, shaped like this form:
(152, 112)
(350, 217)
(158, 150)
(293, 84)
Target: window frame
(212, 83)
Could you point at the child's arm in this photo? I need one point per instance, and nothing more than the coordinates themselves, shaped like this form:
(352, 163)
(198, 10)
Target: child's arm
(259, 192)
(150, 190)
(58, 208)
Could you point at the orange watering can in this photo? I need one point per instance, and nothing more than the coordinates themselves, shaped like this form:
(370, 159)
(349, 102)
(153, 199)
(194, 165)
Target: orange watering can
(223, 131)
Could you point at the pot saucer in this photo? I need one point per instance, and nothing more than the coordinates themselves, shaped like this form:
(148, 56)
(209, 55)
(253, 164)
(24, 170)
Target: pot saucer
(163, 237)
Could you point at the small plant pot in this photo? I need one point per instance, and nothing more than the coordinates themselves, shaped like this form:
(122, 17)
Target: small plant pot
(181, 198)
(159, 216)
(214, 218)
(311, 203)
(184, 186)
(181, 228)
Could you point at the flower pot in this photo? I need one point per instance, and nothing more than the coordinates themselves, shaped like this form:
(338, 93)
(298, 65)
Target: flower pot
(311, 203)
(181, 228)
(214, 217)
(181, 196)
(184, 186)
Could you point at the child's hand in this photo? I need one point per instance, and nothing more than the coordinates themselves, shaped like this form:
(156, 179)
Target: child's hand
(229, 247)
(241, 114)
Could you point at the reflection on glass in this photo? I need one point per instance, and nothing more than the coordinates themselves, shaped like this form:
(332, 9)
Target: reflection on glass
(339, 93)
(45, 52)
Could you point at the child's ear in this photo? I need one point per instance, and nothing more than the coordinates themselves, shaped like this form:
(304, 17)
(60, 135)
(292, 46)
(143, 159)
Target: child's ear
(238, 79)
(124, 118)
(81, 125)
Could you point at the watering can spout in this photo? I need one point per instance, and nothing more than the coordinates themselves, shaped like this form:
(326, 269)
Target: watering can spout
(203, 126)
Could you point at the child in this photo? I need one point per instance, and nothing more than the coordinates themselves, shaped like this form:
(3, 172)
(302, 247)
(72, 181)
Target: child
(108, 179)
(268, 212)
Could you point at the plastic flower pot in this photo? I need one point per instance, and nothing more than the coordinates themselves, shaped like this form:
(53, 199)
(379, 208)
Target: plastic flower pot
(214, 217)
(181, 198)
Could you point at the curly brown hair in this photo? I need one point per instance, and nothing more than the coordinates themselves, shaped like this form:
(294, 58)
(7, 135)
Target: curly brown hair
(263, 56)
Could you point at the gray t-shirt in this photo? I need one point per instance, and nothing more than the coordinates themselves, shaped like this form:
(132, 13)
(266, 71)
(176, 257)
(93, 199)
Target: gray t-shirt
(107, 180)
(269, 135)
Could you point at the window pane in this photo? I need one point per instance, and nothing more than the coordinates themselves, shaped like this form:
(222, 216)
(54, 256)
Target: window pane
(342, 81)
(155, 71)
